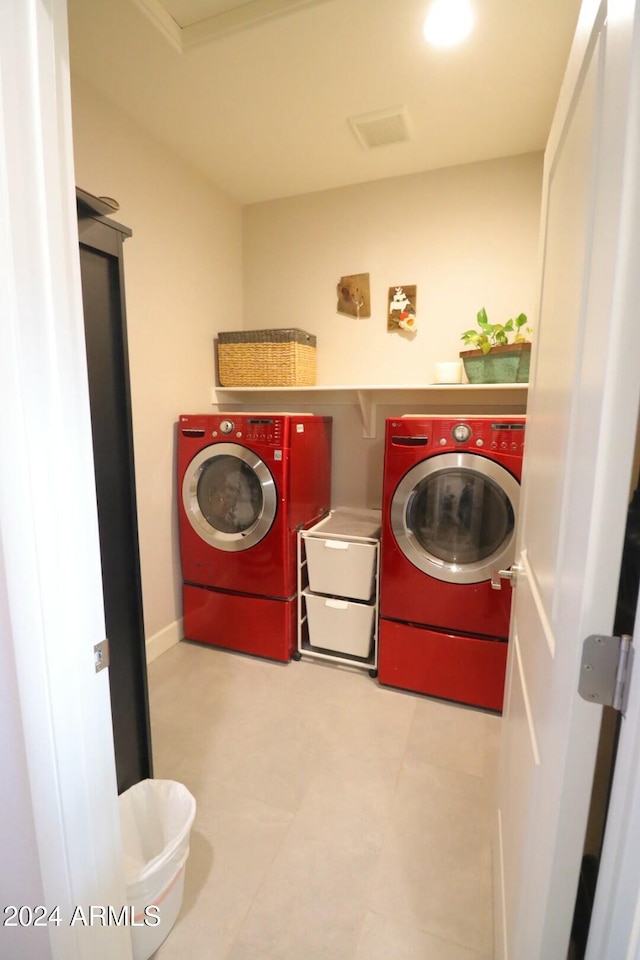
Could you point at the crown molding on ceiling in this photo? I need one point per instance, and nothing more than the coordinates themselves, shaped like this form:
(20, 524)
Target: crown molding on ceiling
(163, 21)
(244, 15)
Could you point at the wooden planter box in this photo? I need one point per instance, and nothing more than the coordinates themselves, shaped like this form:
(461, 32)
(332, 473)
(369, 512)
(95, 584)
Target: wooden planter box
(504, 364)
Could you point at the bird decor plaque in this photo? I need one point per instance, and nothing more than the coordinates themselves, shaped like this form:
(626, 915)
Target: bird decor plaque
(401, 309)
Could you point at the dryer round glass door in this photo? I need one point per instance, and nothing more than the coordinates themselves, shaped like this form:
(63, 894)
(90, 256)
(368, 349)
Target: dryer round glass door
(454, 515)
(229, 496)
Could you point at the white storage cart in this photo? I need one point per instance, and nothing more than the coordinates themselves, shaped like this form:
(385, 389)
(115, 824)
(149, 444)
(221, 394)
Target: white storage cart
(338, 588)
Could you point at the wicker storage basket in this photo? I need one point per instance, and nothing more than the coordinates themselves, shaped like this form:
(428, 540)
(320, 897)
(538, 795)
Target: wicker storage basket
(267, 358)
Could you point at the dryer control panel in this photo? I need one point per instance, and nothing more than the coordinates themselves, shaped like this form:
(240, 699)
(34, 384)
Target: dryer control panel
(507, 436)
(486, 434)
(497, 434)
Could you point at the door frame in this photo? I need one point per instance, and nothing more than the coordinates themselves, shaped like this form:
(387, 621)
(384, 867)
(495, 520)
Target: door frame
(51, 615)
(615, 922)
(105, 327)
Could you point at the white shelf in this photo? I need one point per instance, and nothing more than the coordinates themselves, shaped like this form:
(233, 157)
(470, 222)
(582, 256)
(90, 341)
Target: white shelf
(433, 397)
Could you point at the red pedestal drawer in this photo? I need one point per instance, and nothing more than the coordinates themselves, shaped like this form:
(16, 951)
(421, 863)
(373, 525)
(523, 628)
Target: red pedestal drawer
(449, 666)
(256, 625)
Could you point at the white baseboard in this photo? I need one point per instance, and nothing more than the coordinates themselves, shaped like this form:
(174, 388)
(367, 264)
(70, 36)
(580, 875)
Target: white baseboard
(162, 641)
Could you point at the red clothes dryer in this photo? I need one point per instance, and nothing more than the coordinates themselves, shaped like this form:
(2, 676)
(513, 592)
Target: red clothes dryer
(450, 505)
(246, 484)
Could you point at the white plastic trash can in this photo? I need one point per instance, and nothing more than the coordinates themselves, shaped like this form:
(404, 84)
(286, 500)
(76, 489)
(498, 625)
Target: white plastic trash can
(156, 817)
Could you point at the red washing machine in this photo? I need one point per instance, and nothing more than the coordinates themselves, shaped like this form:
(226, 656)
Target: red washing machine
(246, 484)
(449, 511)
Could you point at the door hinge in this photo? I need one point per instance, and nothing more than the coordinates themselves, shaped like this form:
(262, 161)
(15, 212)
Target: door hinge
(605, 670)
(101, 655)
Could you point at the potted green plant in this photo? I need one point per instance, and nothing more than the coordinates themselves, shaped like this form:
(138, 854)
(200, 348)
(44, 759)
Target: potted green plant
(499, 352)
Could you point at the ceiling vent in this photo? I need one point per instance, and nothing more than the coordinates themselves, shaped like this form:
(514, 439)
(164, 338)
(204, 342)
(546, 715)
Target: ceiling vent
(381, 128)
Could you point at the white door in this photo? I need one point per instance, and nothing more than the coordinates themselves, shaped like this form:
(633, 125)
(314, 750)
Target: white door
(60, 831)
(582, 414)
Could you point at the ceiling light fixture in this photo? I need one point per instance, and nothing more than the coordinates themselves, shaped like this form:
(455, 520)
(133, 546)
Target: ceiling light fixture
(448, 22)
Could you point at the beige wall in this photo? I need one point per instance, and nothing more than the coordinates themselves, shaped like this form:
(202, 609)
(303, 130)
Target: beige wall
(466, 236)
(181, 265)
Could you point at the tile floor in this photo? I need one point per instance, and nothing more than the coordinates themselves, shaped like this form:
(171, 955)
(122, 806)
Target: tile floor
(336, 819)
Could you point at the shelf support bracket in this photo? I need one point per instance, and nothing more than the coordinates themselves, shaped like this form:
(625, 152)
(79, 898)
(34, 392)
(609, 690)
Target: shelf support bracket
(368, 411)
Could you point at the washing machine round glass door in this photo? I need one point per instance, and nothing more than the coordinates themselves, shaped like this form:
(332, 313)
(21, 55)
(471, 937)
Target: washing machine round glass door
(454, 515)
(229, 496)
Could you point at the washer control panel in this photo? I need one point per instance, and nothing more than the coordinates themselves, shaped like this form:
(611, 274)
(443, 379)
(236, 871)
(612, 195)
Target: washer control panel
(250, 429)
(241, 427)
(263, 430)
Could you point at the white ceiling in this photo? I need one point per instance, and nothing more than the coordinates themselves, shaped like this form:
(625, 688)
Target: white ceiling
(258, 95)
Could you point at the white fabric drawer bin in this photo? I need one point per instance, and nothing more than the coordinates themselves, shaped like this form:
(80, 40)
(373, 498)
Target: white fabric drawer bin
(343, 626)
(343, 568)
